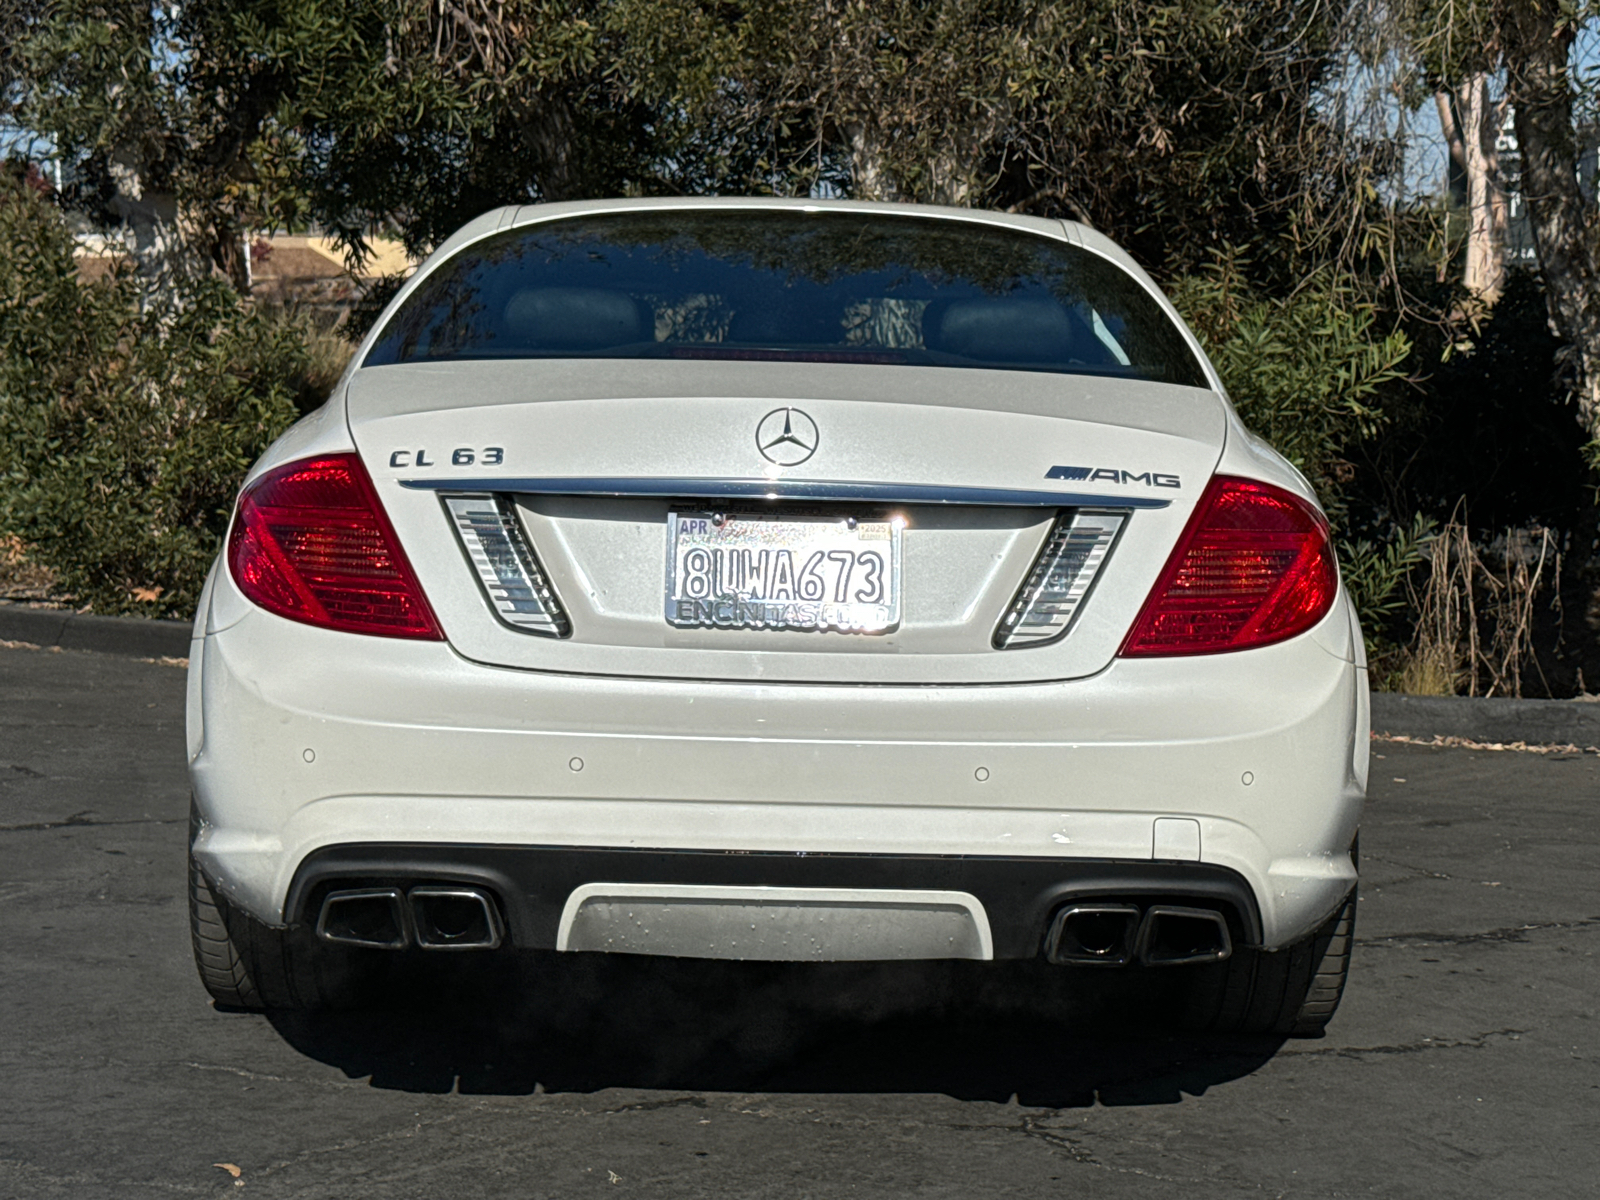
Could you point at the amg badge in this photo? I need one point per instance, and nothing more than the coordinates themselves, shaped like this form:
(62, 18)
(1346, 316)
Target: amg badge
(1112, 475)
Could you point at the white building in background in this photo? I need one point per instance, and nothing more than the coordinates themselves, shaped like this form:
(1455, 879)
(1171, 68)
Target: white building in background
(1519, 248)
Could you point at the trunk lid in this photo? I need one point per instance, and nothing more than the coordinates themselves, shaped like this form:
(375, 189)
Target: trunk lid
(592, 457)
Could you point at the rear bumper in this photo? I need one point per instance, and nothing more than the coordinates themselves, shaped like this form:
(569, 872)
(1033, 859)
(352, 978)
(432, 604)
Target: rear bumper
(1016, 896)
(307, 744)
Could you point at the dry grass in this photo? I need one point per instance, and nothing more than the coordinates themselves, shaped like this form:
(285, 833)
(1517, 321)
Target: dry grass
(21, 579)
(330, 354)
(1428, 672)
(1476, 613)
(328, 351)
(1434, 666)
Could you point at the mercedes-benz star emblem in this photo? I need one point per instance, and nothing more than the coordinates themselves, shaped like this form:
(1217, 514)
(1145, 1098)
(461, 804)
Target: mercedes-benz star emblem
(786, 436)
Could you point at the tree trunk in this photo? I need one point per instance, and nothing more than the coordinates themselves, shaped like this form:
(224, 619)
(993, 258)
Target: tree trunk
(226, 248)
(1481, 119)
(550, 132)
(143, 195)
(160, 256)
(1538, 86)
(226, 158)
(949, 173)
(1455, 173)
(946, 176)
(870, 174)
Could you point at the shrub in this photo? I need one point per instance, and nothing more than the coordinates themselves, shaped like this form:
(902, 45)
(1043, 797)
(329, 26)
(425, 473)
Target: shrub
(1305, 372)
(125, 429)
(1309, 373)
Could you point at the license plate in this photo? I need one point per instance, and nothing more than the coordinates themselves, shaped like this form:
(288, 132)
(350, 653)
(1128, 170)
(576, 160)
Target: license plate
(741, 572)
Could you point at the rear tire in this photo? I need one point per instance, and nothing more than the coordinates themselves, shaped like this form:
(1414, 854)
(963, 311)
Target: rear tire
(223, 963)
(247, 964)
(1294, 991)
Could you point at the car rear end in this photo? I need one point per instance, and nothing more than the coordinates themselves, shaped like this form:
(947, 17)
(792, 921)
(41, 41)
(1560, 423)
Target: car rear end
(787, 582)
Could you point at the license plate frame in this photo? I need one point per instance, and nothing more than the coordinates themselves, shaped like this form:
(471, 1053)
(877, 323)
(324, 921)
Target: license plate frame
(745, 587)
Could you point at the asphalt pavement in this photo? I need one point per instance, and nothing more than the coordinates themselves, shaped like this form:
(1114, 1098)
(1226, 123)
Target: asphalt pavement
(1465, 1061)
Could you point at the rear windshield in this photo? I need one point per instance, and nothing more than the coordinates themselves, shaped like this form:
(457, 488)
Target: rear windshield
(785, 286)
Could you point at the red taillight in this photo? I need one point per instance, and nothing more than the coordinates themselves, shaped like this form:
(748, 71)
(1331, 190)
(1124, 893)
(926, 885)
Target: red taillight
(312, 543)
(1254, 566)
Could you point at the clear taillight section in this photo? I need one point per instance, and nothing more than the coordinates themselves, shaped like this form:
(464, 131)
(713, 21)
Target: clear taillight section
(1052, 595)
(312, 543)
(1255, 566)
(508, 571)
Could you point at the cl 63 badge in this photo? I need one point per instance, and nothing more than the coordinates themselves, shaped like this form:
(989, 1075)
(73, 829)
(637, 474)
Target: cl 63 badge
(462, 456)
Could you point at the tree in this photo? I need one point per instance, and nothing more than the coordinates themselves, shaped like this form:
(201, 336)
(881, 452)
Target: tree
(191, 123)
(888, 100)
(419, 115)
(1458, 46)
(1538, 47)
(18, 18)
(1174, 128)
(96, 85)
(1471, 119)
(1461, 44)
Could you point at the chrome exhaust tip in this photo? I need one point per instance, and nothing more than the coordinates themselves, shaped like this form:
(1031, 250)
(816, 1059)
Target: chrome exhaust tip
(1173, 937)
(455, 918)
(1093, 935)
(371, 918)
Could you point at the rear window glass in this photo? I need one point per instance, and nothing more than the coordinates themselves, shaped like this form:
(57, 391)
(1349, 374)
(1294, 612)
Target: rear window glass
(787, 286)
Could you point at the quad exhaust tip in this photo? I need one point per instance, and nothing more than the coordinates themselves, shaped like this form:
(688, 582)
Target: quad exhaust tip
(1172, 936)
(372, 918)
(1094, 935)
(432, 917)
(455, 918)
(1114, 935)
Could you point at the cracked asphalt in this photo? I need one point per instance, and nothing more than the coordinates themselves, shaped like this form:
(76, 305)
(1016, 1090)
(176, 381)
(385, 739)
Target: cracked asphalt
(1463, 1062)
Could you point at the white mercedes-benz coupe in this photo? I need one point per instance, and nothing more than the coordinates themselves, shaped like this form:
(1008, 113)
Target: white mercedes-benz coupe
(769, 579)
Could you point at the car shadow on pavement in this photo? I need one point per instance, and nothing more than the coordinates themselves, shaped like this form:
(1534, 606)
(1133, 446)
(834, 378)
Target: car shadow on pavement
(1050, 1037)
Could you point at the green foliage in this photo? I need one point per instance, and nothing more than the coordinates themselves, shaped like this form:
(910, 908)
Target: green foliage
(124, 433)
(418, 117)
(103, 78)
(1170, 127)
(1375, 574)
(253, 114)
(1307, 372)
(1490, 426)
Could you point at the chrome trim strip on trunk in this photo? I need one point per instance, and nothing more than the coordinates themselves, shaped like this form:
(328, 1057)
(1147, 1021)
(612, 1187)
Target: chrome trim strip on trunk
(785, 489)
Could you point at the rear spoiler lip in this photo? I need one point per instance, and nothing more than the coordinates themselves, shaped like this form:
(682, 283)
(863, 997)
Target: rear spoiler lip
(783, 489)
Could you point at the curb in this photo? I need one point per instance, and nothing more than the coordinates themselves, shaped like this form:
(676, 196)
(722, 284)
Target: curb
(135, 636)
(1537, 722)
